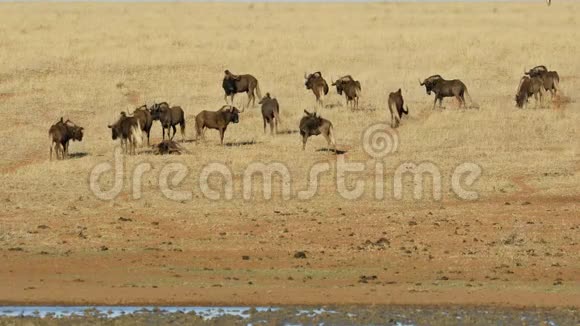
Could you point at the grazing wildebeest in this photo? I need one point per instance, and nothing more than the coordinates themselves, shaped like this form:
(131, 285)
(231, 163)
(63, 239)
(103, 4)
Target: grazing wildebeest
(270, 112)
(60, 134)
(313, 125)
(128, 129)
(216, 120)
(396, 103)
(144, 116)
(445, 88)
(528, 87)
(169, 117)
(351, 89)
(550, 79)
(233, 84)
(318, 85)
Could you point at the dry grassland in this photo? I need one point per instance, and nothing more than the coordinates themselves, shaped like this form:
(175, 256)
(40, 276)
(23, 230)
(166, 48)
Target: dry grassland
(516, 245)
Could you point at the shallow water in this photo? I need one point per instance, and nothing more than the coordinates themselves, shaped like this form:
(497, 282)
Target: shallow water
(340, 315)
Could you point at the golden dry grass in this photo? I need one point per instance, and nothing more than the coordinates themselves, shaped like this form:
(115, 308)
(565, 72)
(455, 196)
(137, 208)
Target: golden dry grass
(88, 62)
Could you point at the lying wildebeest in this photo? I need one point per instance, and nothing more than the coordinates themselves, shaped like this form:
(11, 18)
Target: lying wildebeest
(233, 84)
(318, 85)
(396, 103)
(169, 118)
(528, 87)
(128, 129)
(313, 125)
(168, 147)
(60, 134)
(351, 89)
(145, 121)
(216, 120)
(270, 112)
(445, 88)
(550, 79)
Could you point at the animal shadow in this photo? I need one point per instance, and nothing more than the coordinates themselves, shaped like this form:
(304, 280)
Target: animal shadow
(337, 152)
(287, 132)
(241, 143)
(78, 155)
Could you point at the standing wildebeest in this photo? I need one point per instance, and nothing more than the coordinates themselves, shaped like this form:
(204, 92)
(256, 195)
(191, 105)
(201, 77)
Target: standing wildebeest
(169, 117)
(351, 89)
(313, 125)
(396, 102)
(528, 87)
(318, 85)
(550, 79)
(270, 112)
(216, 120)
(445, 88)
(233, 84)
(128, 129)
(145, 120)
(60, 134)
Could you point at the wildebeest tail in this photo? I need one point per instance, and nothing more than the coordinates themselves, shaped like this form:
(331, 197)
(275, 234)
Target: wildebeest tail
(358, 89)
(182, 127)
(405, 110)
(277, 113)
(325, 88)
(258, 92)
(137, 135)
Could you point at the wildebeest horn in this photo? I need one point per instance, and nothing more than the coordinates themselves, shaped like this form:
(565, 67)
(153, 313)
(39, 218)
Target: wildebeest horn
(305, 76)
(420, 83)
(307, 113)
(109, 126)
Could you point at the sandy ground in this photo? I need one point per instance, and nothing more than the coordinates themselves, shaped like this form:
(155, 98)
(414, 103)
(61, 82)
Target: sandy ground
(517, 245)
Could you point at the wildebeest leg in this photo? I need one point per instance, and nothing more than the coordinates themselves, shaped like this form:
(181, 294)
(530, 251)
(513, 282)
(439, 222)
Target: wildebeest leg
(435, 103)
(440, 103)
(250, 97)
(304, 139)
(272, 127)
(148, 132)
(276, 124)
(222, 131)
(174, 131)
(264, 124)
(461, 104)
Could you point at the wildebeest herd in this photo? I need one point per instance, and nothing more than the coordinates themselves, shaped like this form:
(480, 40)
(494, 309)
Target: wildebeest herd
(129, 128)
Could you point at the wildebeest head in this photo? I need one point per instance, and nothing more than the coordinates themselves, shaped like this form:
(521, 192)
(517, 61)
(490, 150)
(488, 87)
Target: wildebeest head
(536, 71)
(115, 128)
(339, 83)
(75, 131)
(156, 109)
(232, 112)
(229, 83)
(430, 82)
(265, 98)
(311, 79)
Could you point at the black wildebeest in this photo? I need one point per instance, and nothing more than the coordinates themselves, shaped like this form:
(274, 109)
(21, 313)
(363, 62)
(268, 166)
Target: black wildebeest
(270, 112)
(445, 88)
(396, 103)
(128, 129)
(219, 120)
(60, 134)
(313, 125)
(233, 84)
(550, 79)
(169, 117)
(318, 85)
(145, 121)
(351, 89)
(529, 86)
